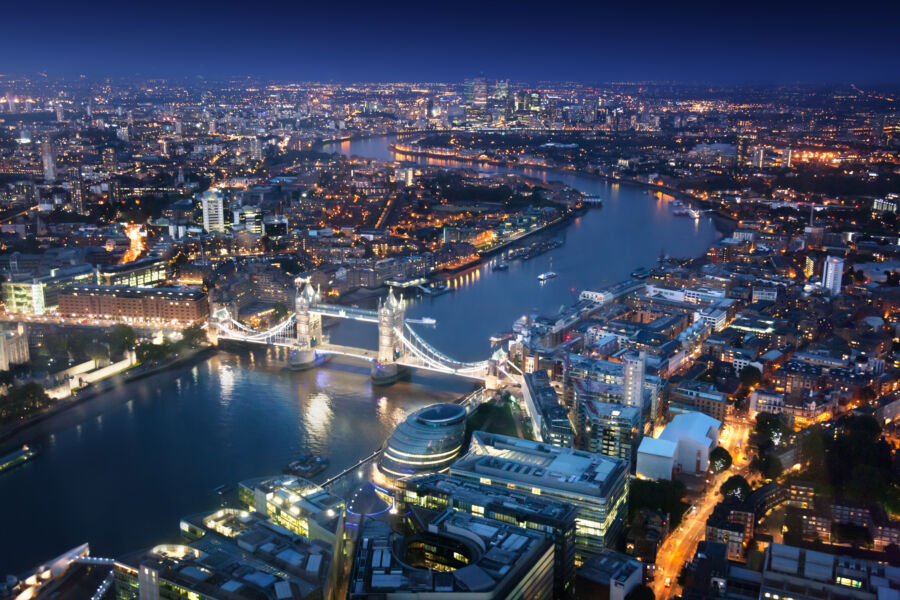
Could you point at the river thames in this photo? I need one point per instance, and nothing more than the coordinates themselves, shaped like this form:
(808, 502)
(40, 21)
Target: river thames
(120, 471)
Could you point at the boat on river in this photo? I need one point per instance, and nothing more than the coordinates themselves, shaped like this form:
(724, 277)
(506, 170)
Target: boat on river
(308, 465)
(18, 458)
(546, 276)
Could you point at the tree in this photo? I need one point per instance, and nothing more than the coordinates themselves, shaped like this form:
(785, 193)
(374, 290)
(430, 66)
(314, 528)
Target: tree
(193, 335)
(769, 429)
(719, 459)
(750, 376)
(736, 488)
(153, 352)
(855, 535)
(23, 400)
(812, 452)
(121, 338)
(768, 465)
(664, 496)
(280, 311)
(793, 525)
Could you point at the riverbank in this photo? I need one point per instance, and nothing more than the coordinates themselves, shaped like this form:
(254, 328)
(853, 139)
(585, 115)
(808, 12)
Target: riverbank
(10, 431)
(360, 295)
(725, 224)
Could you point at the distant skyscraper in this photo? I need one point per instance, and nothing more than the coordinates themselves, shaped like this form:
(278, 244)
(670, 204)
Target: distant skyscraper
(468, 91)
(213, 211)
(480, 92)
(759, 157)
(832, 273)
(742, 150)
(76, 187)
(501, 90)
(48, 156)
(633, 367)
(60, 113)
(786, 156)
(115, 192)
(256, 148)
(110, 165)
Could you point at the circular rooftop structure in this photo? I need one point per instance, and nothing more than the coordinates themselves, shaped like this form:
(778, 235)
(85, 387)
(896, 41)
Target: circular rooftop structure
(428, 441)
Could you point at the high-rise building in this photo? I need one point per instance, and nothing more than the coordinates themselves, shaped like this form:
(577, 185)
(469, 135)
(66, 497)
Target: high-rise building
(596, 485)
(480, 92)
(759, 157)
(475, 91)
(593, 378)
(250, 217)
(786, 156)
(48, 157)
(501, 90)
(60, 113)
(610, 429)
(742, 150)
(110, 165)
(213, 205)
(633, 367)
(832, 274)
(549, 416)
(468, 91)
(256, 152)
(76, 192)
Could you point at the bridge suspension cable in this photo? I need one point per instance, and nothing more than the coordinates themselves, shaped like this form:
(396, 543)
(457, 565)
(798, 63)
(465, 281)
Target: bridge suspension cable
(415, 347)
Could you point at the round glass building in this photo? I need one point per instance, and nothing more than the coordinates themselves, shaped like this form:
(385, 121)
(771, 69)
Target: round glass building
(428, 441)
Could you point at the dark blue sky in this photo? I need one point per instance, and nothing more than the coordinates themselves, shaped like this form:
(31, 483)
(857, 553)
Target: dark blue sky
(729, 41)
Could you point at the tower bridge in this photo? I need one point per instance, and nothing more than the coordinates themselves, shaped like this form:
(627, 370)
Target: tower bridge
(400, 347)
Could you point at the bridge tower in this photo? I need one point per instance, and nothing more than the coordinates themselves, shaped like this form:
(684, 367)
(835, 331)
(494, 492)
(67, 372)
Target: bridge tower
(309, 328)
(391, 315)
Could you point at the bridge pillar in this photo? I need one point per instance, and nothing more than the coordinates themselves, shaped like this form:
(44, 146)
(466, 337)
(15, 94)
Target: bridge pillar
(492, 379)
(309, 329)
(391, 314)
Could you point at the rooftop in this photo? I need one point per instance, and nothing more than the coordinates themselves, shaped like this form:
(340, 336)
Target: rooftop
(505, 501)
(240, 555)
(541, 465)
(496, 555)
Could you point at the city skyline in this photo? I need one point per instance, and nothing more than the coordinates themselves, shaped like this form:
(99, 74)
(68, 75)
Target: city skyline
(488, 329)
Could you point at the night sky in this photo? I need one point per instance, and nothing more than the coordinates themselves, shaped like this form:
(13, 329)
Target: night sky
(734, 41)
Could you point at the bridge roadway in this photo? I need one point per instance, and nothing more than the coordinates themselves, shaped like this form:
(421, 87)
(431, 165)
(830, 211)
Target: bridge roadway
(329, 348)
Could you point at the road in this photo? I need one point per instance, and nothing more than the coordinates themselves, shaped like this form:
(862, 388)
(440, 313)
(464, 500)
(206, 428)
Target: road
(54, 318)
(681, 544)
